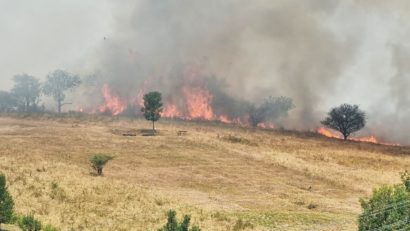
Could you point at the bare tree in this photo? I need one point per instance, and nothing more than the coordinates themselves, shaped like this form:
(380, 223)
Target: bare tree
(346, 119)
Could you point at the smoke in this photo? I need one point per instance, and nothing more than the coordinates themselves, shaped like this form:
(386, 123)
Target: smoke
(256, 49)
(236, 53)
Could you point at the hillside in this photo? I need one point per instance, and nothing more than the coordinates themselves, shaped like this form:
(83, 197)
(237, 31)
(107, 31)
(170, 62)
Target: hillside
(271, 180)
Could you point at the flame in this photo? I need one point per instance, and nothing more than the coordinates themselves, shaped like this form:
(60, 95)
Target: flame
(328, 133)
(112, 103)
(171, 111)
(368, 139)
(198, 102)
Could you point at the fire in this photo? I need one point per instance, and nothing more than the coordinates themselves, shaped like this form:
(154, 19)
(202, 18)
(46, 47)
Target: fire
(328, 133)
(112, 103)
(368, 139)
(198, 102)
(171, 111)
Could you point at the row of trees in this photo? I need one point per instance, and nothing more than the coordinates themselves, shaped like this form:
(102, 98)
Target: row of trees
(26, 92)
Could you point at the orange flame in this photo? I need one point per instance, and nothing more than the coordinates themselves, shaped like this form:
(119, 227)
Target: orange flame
(112, 103)
(198, 102)
(171, 111)
(369, 139)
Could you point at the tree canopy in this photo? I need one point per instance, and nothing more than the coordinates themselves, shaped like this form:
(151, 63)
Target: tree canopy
(57, 83)
(152, 107)
(26, 90)
(346, 119)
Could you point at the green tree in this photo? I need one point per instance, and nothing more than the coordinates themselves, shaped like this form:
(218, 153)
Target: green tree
(57, 83)
(6, 202)
(173, 225)
(99, 161)
(388, 209)
(152, 107)
(29, 223)
(346, 119)
(27, 92)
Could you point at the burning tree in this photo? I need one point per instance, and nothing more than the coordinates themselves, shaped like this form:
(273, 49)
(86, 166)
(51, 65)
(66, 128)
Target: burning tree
(271, 108)
(57, 83)
(152, 107)
(346, 119)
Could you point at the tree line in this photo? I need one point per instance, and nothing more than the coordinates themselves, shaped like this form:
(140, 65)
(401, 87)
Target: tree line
(26, 91)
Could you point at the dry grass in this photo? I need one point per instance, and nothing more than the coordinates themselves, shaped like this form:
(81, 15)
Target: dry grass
(227, 178)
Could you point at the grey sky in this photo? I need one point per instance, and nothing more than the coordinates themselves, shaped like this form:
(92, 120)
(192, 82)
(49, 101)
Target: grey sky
(39, 36)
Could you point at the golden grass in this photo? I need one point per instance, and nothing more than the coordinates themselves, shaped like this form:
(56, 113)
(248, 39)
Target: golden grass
(217, 173)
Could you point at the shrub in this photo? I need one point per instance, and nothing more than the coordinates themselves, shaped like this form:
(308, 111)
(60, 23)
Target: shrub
(242, 225)
(405, 178)
(29, 223)
(387, 209)
(173, 225)
(98, 162)
(6, 202)
(49, 228)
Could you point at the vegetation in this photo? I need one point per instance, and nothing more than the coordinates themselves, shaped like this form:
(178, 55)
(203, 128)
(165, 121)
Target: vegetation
(7, 102)
(387, 209)
(6, 202)
(272, 108)
(200, 174)
(29, 223)
(57, 83)
(152, 107)
(99, 161)
(26, 91)
(173, 225)
(346, 119)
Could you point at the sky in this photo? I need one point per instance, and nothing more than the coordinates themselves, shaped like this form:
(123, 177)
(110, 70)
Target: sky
(38, 37)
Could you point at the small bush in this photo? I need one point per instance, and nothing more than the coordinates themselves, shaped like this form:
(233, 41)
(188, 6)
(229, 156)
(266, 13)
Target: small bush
(405, 178)
(6, 202)
(29, 223)
(242, 225)
(173, 225)
(98, 162)
(387, 209)
(312, 206)
(49, 228)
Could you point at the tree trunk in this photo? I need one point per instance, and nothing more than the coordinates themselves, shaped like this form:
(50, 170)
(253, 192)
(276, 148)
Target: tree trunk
(345, 137)
(59, 106)
(153, 126)
(99, 171)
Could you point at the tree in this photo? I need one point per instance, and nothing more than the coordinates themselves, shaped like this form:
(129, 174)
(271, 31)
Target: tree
(99, 161)
(387, 209)
(57, 83)
(6, 202)
(152, 107)
(7, 102)
(173, 225)
(346, 119)
(272, 108)
(27, 91)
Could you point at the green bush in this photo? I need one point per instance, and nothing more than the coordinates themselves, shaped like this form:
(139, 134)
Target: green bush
(387, 209)
(405, 177)
(29, 223)
(173, 225)
(49, 228)
(6, 202)
(98, 162)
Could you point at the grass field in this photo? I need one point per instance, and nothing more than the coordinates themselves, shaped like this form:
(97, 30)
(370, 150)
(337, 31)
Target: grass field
(227, 178)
